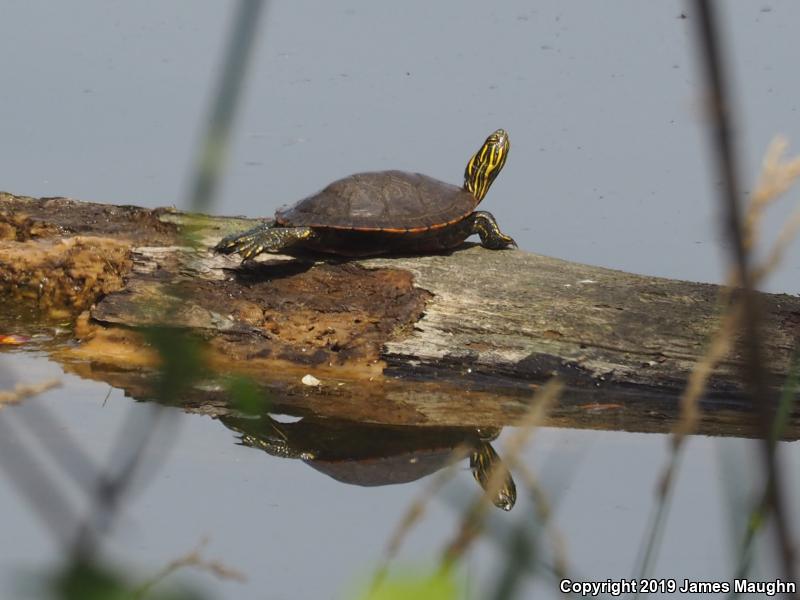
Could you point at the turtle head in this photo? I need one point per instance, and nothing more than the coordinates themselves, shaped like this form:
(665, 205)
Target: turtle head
(486, 163)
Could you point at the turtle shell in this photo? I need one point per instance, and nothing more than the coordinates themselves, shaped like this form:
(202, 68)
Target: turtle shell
(381, 201)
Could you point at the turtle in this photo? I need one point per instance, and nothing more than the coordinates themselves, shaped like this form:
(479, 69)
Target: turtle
(375, 455)
(385, 212)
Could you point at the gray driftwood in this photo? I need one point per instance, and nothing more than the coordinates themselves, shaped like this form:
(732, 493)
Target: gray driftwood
(458, 339)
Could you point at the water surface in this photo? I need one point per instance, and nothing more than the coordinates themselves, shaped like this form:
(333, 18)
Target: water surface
(104, 101)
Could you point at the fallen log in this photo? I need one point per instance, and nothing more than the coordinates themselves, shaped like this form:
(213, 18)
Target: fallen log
(458, 339)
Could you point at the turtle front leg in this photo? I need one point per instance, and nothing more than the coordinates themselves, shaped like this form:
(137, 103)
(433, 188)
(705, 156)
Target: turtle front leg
(264, 238)
(484, 224)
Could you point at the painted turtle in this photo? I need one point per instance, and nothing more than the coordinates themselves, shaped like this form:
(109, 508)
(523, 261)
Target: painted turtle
(373, 455)
(386, 212)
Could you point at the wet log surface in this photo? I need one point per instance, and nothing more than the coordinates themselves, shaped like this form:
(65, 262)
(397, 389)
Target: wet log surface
(462, 339)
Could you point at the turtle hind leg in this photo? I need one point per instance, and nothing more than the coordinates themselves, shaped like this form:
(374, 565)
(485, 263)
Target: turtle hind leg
(484, 224)
(263, 238)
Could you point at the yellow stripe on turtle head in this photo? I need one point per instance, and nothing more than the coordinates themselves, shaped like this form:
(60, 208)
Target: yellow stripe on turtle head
(486, 163)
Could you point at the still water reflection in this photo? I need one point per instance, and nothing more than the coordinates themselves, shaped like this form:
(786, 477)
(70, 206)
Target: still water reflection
(371, 455)
(102, 101)
(247, 486)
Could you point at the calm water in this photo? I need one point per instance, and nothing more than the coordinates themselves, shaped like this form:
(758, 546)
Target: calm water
(104, 100)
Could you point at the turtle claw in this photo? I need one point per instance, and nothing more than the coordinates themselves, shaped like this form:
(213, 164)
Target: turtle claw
(264, 238)
(242, 243)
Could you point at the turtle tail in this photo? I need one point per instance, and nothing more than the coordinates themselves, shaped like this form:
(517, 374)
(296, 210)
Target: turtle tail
(263, 238)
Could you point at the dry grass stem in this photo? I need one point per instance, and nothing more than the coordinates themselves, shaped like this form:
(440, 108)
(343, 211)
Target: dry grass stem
(539, 406)
(721, 343)
(543, 512)
(414, 514)
(786, 236)
(195, 560)
(23, 391)
(473, 518)
(777, 176)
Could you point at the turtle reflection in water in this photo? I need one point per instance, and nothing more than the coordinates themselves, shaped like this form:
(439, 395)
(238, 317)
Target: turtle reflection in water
(387, 212)
(373, 455)
(482, 461)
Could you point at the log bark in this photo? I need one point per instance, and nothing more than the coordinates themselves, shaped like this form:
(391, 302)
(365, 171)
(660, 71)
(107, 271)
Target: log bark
(458, 339)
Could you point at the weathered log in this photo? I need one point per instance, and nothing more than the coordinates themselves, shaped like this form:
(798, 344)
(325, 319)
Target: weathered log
(458, 339)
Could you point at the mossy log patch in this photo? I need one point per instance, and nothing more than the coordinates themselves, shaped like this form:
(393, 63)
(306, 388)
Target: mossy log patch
(458, 339)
